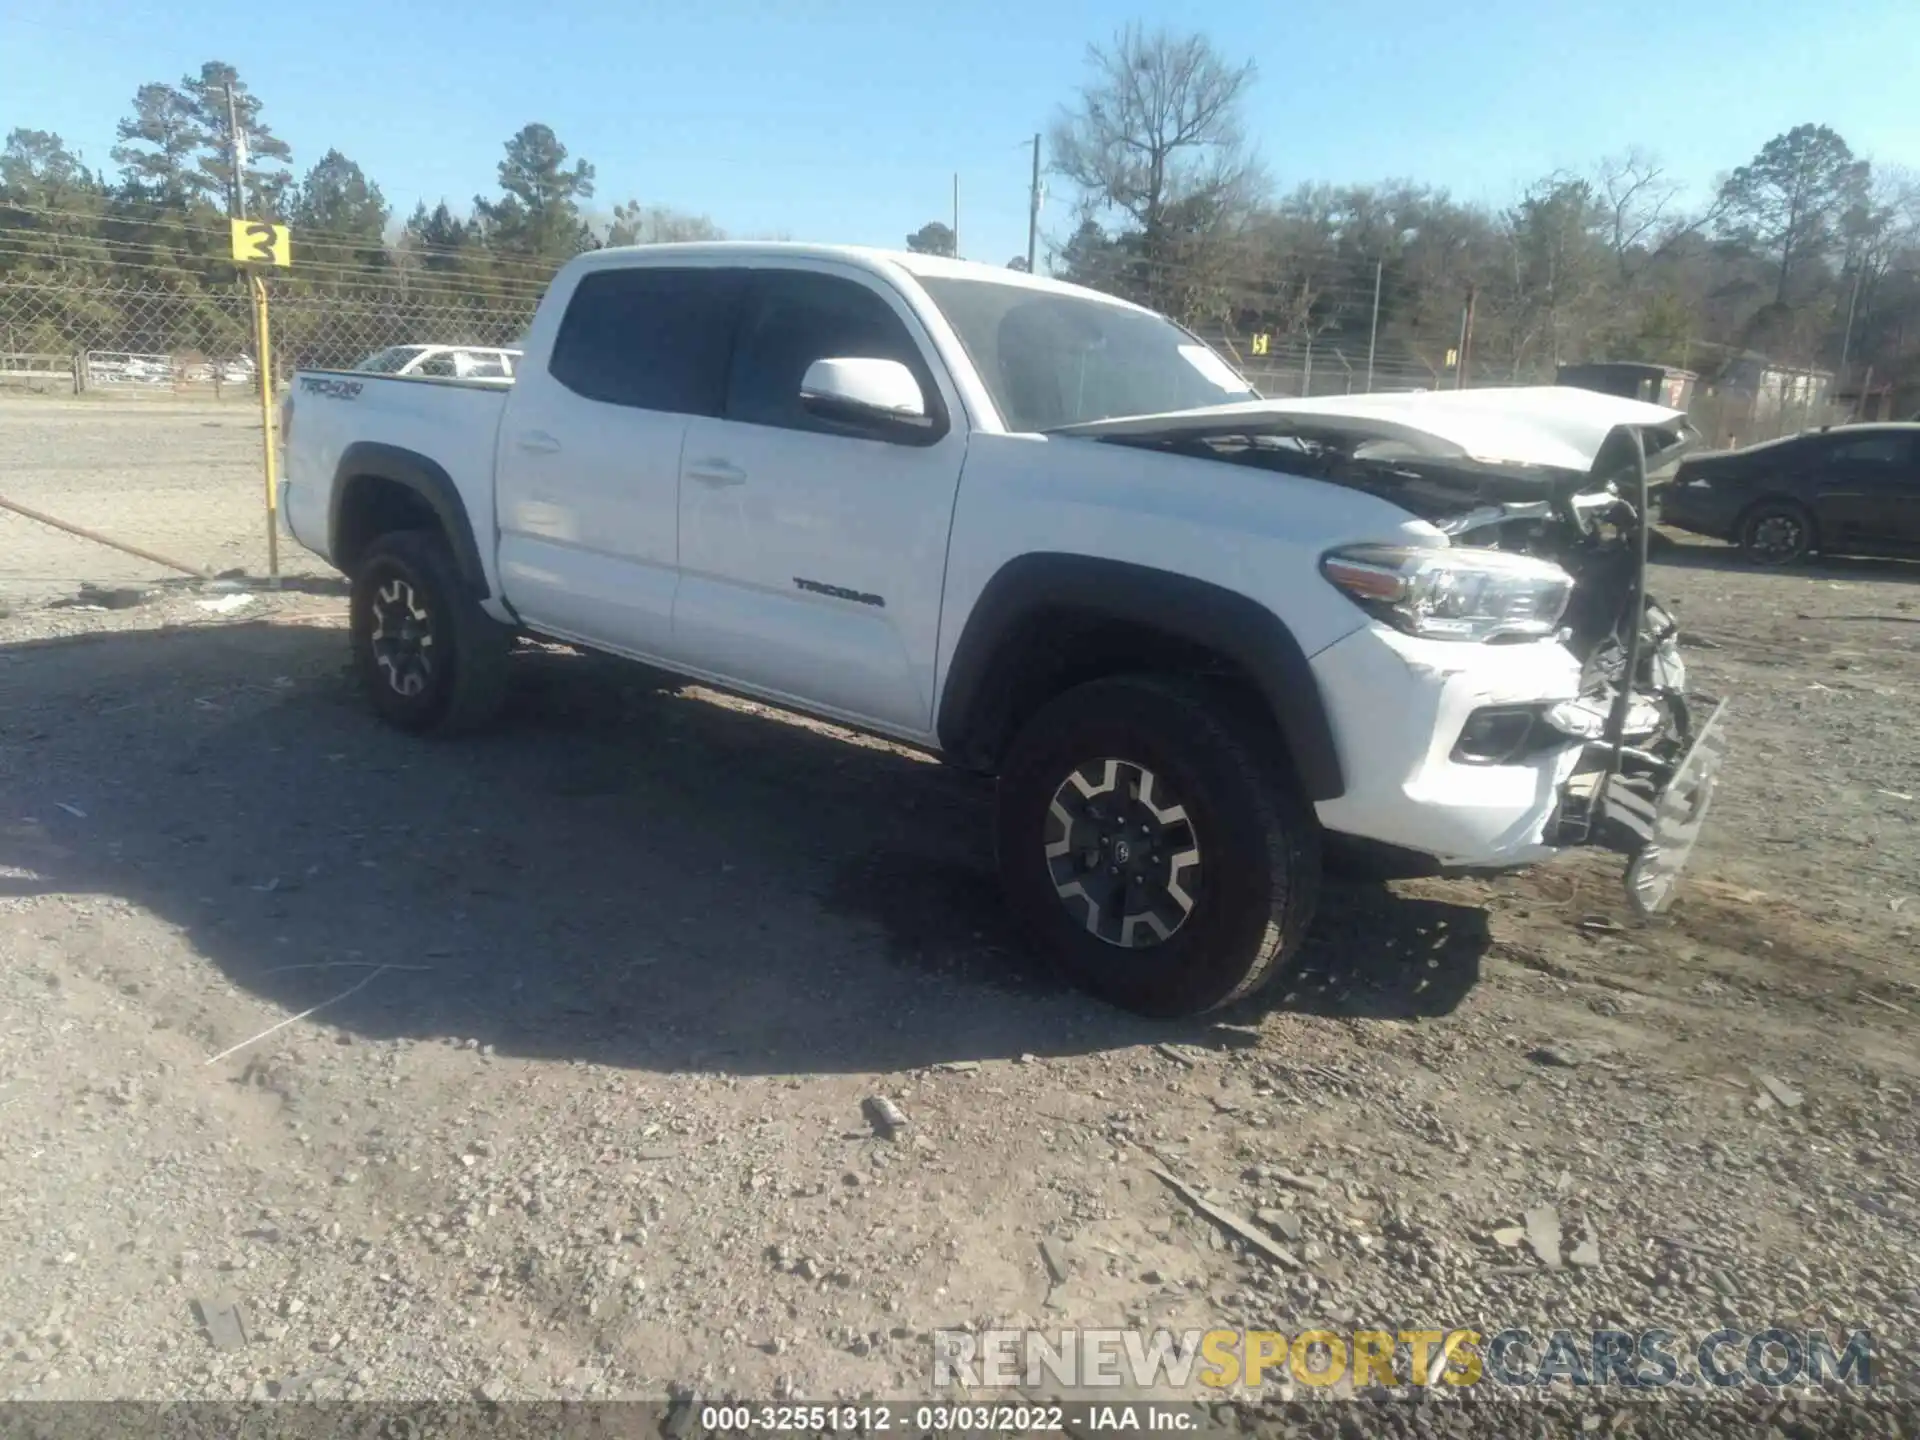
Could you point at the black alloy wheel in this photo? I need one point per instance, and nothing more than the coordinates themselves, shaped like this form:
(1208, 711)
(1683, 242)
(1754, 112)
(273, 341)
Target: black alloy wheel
(1153, 841)
(429, 658)
(402, 638)
(1122, 853)
(1776, 532)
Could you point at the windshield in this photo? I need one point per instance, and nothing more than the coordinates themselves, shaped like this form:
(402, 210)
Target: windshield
(1049, 359)
(390, 360)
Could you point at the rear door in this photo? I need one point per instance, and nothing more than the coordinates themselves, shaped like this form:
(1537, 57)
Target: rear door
(589, 456)
(812, 558)
(1867, 494)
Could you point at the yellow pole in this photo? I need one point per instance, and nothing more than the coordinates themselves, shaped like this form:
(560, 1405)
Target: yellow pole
(264, 361)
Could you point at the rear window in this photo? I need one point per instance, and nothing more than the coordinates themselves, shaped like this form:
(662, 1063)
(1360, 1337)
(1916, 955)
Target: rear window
(651, 338)
(1874, 449)
(388, 361)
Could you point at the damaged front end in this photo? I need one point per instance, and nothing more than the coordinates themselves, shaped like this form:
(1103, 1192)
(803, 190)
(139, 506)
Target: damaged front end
(1651, 754)
(1648, 751)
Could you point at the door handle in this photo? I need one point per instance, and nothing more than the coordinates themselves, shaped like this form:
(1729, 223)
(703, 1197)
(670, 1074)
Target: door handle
(538, 442)
(717, 472)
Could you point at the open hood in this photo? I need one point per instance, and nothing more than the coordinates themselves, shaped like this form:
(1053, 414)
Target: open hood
(1542, 427)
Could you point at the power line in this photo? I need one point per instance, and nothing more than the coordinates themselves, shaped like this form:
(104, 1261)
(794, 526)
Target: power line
(27, 244)
(347, 240)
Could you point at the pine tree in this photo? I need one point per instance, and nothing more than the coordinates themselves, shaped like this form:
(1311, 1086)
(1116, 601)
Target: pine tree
(340, 215)
(539, 212)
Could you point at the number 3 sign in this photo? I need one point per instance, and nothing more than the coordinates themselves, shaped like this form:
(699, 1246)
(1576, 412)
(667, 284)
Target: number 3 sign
(257, 243)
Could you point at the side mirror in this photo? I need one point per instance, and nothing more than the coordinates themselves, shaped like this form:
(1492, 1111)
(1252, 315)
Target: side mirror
(866, 394)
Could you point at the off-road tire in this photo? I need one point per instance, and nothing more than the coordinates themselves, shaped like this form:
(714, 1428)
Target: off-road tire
(466, 682)
(1258, 842)
(1760, 526)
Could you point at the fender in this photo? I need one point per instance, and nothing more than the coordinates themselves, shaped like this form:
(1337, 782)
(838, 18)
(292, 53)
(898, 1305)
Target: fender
(368, 459)
(1195, 611)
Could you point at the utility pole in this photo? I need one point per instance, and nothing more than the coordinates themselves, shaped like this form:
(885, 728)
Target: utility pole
(1033, 209)
(1373, 335)
(1466, 341)
(956, 214)
(237, 159)
(262, 347)
(1846, 341)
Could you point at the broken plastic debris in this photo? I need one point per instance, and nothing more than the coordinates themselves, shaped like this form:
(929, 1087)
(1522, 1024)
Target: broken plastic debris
(225, 1321)
(1543, 1234)
(1779, 1089)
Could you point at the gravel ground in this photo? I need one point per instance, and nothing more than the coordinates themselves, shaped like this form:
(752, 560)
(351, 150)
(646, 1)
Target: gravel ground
(606, 994)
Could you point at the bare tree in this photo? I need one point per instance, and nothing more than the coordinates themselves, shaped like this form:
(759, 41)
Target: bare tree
(1557, 267)
(1641, 205)
(1155, 136)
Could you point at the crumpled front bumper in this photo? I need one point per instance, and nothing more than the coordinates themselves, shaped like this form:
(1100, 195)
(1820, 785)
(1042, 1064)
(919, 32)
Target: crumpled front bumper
(1645, 806)
(1399, 707)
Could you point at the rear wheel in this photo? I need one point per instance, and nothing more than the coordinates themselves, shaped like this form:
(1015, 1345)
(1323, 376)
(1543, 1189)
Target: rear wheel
(429, 658)
(1776, 532)
(1153, 841)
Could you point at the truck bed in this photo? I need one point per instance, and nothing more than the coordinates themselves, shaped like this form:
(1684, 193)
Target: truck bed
(456, 421)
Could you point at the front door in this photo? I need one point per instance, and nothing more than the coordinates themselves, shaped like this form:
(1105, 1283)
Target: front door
(1868, 495)
(811, 556)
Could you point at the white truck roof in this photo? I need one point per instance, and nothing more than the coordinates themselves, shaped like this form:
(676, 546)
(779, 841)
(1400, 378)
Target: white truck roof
(746, 252)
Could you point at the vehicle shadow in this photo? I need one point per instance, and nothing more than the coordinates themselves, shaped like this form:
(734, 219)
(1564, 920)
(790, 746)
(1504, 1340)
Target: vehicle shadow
(1374, 954)
(127, 597)
(1695, 553)
(624, 872)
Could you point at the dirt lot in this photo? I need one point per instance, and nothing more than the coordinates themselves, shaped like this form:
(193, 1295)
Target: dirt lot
(605, 993)
(179, 477)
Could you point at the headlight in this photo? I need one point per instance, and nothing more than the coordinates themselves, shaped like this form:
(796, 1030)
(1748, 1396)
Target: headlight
(1454, 594)
(1586, 719)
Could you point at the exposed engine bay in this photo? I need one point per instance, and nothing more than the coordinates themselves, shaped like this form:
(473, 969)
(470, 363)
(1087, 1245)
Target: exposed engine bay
(1643, 775)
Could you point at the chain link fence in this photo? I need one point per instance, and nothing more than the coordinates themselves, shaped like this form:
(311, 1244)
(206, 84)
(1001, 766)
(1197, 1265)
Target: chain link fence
(186, 477)
(1343, 368)
(84, 336)
(147, 337)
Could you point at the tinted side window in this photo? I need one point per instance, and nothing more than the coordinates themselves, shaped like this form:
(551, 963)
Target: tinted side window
(797, 317)
(1873, 450)
(654, 339)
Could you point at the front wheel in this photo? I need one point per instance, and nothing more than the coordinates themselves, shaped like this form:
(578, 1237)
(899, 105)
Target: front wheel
(1152, 839)
(429, 658)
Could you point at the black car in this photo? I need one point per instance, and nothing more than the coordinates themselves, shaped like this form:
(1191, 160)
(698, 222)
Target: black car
(1845, 490)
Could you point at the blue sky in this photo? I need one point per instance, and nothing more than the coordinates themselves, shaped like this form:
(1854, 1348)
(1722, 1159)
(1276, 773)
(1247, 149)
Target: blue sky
(844, 121)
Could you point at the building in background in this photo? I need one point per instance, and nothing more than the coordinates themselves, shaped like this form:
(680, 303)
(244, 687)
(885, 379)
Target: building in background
(1657, 384)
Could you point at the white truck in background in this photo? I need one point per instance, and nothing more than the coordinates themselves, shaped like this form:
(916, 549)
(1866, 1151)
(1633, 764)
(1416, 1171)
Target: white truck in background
(442, 362)
(1202, 640)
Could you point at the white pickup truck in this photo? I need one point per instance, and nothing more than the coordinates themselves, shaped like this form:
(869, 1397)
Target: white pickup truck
(1203, 640)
